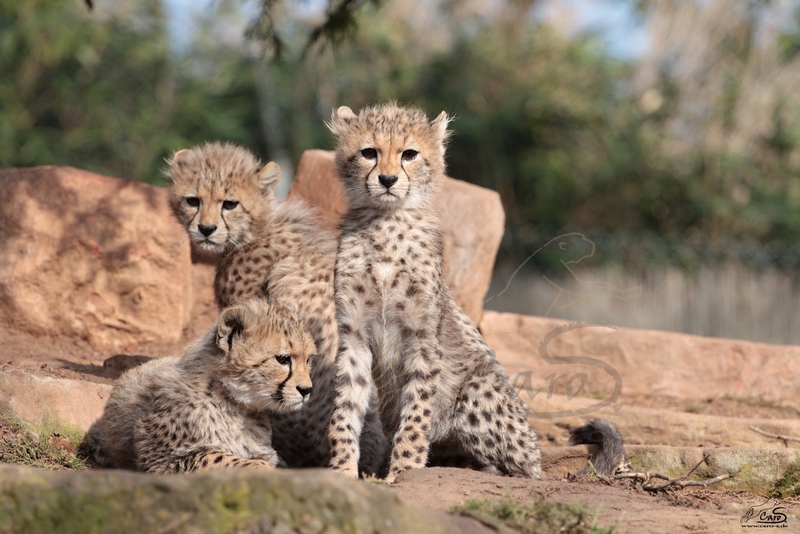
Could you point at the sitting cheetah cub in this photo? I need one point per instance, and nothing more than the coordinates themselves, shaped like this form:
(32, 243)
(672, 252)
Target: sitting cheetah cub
(272, 248)
(208, 408)
(438, 382)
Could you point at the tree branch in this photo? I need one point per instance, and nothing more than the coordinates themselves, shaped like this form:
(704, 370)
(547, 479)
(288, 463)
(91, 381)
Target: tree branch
(785, 439)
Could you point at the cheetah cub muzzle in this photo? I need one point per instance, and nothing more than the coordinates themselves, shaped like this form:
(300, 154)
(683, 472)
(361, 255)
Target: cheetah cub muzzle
(439, 385)
(209, 408)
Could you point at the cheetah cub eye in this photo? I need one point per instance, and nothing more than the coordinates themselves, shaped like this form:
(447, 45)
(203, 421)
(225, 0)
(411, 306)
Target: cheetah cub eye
(369, 153)
(229, 204)
(283, 359)
(410, 154)
(193, 201)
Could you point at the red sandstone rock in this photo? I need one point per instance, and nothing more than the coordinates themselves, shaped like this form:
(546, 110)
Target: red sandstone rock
(92, 257)
(646, 362)
(57, 404)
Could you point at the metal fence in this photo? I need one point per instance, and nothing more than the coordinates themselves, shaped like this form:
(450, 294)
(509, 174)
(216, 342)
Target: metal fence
(723, 288)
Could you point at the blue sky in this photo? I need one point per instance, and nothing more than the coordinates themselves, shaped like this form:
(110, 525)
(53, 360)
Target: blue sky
(180, 15)
(612, 20)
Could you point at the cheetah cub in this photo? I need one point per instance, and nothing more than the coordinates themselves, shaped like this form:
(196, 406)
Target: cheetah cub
(440, 386)
(225, 198)
(208, 408)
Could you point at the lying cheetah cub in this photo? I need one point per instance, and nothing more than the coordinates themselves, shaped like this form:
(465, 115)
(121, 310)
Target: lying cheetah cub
(208, 408)
(438, 382)
(273, 248)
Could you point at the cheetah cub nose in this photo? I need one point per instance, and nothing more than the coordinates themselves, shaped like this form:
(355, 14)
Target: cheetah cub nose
(387, 181)
(206, 230)
(304, 391)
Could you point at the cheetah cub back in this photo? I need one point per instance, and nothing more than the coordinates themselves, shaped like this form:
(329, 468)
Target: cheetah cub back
(401, 333)
(267, 247)
(209, 408)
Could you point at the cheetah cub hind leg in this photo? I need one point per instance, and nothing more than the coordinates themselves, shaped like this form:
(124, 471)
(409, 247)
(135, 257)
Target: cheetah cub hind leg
(491, 423)
(222, 460)
(206, 460)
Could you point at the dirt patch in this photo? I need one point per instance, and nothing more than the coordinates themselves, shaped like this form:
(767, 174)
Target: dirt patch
(60, 357)
(620, 505)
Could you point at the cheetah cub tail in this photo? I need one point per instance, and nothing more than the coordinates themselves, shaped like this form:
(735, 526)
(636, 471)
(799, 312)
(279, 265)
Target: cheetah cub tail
(604, 442)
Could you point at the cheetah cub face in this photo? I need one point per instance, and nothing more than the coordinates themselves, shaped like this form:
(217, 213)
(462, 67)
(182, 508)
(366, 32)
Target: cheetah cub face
(265, 360)
(219, 191)
(389, 157)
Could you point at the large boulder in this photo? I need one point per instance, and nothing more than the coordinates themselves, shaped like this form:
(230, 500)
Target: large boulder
(551, 416)
(231, 500)
(68, 407)
(92, 257)
(472, 217)
(594, 361)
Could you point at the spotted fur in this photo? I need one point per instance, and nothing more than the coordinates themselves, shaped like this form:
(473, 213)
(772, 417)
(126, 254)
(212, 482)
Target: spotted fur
(209, 408)
(400, 331)
(275, 249)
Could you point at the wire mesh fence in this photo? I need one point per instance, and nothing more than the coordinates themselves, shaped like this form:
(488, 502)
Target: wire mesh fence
(723, 288)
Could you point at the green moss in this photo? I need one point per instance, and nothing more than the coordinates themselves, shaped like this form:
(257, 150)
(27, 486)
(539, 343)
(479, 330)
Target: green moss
(535, 517)
(52, 426)
(30, 445)
(789, 484)
(693, 408)
(372, 479)
(230, 501)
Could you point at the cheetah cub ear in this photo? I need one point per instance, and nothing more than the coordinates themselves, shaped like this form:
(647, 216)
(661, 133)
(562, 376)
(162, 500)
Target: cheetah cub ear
(439, 125)
(269, 175)
(340, 119)
(229, 325)
(181, 158)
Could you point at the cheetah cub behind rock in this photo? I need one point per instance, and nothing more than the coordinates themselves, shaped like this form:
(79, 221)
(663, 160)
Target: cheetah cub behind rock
(225, 198)
(438, 382)
(208, 408)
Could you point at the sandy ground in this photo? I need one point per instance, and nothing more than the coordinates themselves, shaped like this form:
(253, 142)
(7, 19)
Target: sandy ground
(689, 510)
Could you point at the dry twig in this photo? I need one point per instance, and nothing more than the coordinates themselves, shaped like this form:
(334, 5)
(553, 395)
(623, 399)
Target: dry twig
(672, 483)
(647, 484)
(785, 439)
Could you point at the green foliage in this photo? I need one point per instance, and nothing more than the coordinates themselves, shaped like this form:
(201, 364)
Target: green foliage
(548, 122)
(78, 92)
(535, 517)
(104, 94)
(789, 484)
(340, 23)
(553, 123)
